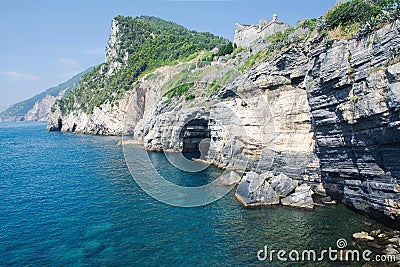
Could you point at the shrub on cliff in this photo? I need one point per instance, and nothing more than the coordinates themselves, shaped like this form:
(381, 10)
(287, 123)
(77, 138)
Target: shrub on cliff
(362, 11)
(349, 12)
(225, 50)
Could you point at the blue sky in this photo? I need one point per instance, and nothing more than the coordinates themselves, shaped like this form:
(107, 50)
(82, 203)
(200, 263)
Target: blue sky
(45, 42)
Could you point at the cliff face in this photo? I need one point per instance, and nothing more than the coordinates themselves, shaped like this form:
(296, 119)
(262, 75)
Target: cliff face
(136, 46)
(322, 112)
(41, 109)
(353, 90)
(38, 107)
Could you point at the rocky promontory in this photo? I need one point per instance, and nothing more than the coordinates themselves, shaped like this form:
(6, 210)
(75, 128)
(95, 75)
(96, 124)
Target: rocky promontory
(314, 115)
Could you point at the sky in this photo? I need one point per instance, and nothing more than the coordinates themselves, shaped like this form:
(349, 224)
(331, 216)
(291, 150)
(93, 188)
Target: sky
(46, 42)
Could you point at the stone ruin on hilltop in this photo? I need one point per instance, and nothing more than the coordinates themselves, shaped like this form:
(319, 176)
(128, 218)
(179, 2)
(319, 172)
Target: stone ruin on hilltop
(246, 35)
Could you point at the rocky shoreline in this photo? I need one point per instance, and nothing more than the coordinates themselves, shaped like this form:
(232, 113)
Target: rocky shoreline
(320, 115)
(381, 240)
(267, 189)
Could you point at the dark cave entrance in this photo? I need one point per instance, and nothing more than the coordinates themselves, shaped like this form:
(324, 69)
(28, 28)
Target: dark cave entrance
(195, 136)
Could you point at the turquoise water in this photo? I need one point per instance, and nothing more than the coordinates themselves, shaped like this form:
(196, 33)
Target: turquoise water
(69, 200)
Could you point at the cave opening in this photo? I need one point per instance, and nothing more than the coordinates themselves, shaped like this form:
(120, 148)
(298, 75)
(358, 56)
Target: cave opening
(195, 136)
(59, 124)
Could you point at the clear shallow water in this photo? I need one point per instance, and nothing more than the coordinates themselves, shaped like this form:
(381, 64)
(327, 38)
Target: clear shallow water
(69, 200)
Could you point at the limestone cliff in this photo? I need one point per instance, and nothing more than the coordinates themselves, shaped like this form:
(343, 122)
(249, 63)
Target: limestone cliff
(321, 111)
(353, 90)
(136, 46)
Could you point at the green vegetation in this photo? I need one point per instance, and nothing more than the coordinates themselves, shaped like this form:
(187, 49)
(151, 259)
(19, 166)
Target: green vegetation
(178, 90)
(229, 76)
(349, 12)
(208, 57)
(311, 24)
(347, 19)
(360, 17)
(190, 97)
(277, 42)
(182, 82)
(225, 50)
(187, 75)
(149, 43)
(213, 87)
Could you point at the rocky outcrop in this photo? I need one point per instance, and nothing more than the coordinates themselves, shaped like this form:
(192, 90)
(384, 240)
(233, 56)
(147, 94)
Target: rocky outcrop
(323, 113)
(114, 51)
(42, 108)
(255, 190)
(109, 119)
(269, 189)
(302, 199)
(353, 91)
(283, 185)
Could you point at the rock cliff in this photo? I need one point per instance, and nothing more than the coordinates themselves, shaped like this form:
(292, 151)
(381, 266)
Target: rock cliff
(353, 90)
(323, 112)
(38, 107)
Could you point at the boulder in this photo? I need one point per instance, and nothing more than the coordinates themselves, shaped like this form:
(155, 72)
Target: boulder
(301, 199)
(255, 181)
(254, 190)
(394, 240)
(284, 185)
(303, 187)
(375, 233)
(363, 236)
(320, 190)
(274, 181)
(267, 196)
(230, 178)
(267, 175)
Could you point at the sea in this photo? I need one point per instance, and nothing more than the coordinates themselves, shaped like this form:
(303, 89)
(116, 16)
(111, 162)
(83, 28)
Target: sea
(69, 200)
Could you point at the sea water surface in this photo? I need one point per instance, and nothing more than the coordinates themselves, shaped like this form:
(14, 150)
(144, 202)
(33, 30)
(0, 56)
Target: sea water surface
(69, 200)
